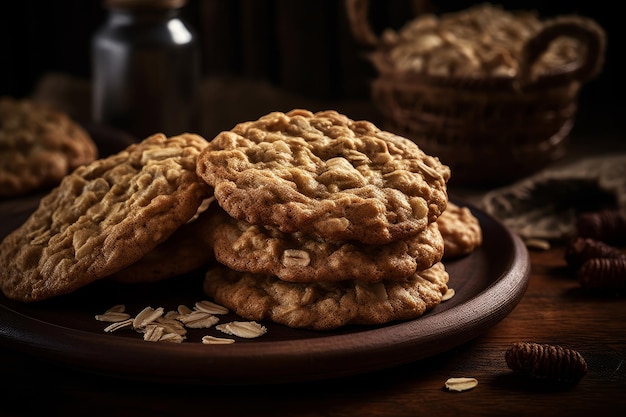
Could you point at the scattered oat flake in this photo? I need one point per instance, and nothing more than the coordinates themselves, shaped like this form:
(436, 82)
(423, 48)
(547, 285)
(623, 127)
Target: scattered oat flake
(172, 338)
(112, 317)
(183, 309)
(153, 333)
(212, 340)
(461, 384)
(171, 325)
(172, 314)
(147, 316)
(119, 325)
(198, 320)
(245, 329)
(448, 295)
(157, 325)
(210, 307)
(119, 308)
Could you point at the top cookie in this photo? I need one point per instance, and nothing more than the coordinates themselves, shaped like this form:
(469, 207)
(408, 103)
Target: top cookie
(103, 217)
(325, 175)
(38, 146)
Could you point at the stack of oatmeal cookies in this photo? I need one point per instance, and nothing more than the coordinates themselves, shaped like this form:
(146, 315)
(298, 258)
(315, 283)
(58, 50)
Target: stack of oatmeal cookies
(323, 221)
(311, 220)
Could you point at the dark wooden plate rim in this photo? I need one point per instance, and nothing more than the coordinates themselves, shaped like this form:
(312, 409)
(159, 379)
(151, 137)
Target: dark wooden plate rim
(489, 283)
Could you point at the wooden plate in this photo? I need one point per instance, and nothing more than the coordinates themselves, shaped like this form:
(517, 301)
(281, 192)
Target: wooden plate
(488, 283)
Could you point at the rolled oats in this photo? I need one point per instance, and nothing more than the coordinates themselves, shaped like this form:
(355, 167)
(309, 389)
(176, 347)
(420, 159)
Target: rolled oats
(171, 326)
(147, 316)
(198, 320)
(172, 337)
(212, 340)
(119, 308)
(210, 307)
(183, 309)
(245, 329)
(156, 325)
(293, 257)
(119, 325)
(484, 40)
(461, 384)
(152, 333)
(448, 295)
(112, 316)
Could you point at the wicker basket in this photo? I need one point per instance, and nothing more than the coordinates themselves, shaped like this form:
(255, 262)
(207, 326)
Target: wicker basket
(489, 130)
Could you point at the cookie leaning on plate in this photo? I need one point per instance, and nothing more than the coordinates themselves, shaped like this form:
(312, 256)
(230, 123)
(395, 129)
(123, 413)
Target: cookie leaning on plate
(39, 145)
(183, 252)
(325, 175)
(103, 217)
(326, 306)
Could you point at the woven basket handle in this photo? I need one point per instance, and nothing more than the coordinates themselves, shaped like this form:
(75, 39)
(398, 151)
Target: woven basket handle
(583, 29)
(359, 24)
(357, 11)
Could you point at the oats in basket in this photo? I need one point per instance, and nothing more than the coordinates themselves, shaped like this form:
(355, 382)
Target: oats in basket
(483, 40)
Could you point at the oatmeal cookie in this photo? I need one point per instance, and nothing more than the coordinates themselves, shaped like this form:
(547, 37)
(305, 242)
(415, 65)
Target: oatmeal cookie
(103, 217)
(461, 231)
(325, 175)
(38, 146)
(181, 253)
(325, 306)
(296, 257)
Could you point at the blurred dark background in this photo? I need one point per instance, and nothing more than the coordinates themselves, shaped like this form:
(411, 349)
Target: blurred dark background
(304, 48)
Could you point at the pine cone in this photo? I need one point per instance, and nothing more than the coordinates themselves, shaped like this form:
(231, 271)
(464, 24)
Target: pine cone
(603, 273)
(582, 249)
(547, 362)
(608, 226)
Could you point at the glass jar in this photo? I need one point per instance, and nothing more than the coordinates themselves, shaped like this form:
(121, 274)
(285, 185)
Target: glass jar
(146, 68)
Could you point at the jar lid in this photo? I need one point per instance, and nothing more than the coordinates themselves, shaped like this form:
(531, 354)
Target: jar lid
(144, 4)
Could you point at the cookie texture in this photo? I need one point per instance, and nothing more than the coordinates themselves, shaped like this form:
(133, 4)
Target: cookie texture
(460, 230)
(183, 252)
(39, 145)
(325, 175)
(103, 217)
(325, 306)
(296, 257)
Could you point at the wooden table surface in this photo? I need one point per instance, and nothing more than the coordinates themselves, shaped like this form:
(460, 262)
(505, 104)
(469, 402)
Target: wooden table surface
(554, 310)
